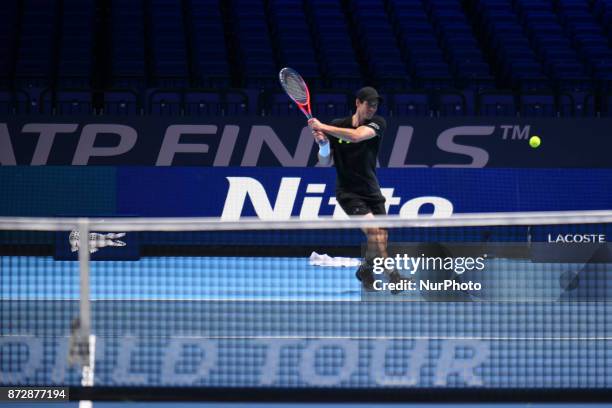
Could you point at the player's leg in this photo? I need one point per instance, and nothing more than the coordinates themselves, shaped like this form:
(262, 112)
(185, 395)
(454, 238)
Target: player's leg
(377, 247)
(355, 206)
(378, 239)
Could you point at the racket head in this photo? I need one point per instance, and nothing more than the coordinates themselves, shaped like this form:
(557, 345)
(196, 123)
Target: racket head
(294, 85)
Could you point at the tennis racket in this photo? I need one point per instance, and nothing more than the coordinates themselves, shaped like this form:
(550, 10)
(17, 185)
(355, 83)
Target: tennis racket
(296, 88)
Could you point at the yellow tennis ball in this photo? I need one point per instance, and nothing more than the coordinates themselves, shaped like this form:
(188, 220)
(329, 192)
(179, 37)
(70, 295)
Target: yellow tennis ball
(534, 141)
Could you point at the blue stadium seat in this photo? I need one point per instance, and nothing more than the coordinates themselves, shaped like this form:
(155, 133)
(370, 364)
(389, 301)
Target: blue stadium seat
(333, 43)
(121, 102)
(164, 102)
(379, 45)
(278, 104)
(496, 104)
(576, 104)
(504, 35)
(384, 109)
(606, 108)
(419, 44)
(603, 70)
(549, 38)
(35, 54)
(76, 44)
(44, 102)
(332, 104)
(204, 103)
(236, 102)
(168, 43)
(8, 36)
(538, 105)
(412, 104)
(194, 53)
(7, 102)
(580, 84)
(127, 45)
(452, 103)
(594, 49)
(210, 55)
(459, 44)
(291, 34)
(74, 102)
(14, 102)
(253, 40)
(603, 10)
(34, 96)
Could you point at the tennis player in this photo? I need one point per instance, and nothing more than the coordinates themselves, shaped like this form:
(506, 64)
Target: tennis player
(353, 146)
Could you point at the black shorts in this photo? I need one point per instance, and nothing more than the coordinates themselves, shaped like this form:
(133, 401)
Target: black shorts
(360, 205)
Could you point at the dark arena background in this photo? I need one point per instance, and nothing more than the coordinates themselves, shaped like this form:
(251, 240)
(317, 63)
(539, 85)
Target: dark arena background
(221, 266)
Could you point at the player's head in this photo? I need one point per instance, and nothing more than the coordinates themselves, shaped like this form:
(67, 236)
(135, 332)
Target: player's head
(367, 101)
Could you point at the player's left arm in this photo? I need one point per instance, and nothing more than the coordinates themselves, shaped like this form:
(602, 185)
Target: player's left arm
(360, 134)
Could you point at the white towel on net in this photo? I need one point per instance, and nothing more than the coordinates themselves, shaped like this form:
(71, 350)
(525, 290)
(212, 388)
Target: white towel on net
(326, 260)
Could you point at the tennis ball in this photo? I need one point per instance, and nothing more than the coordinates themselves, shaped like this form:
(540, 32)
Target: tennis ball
(534, 141)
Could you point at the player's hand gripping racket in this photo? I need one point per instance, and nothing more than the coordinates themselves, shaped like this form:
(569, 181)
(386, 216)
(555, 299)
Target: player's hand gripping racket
(296, 88)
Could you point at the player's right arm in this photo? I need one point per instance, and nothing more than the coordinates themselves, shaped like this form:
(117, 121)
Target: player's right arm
(360, 134)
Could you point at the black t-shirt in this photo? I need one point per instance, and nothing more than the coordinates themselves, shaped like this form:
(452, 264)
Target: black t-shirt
(356, 162)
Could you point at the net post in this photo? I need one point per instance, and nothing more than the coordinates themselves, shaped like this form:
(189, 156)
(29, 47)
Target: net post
(86, 339)
(84, 306)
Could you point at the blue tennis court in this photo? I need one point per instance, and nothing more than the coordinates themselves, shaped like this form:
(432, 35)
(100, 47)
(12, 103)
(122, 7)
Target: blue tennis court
(281, 322)
(270, 279)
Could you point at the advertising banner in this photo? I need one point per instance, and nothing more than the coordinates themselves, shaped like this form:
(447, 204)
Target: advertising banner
(287, 142)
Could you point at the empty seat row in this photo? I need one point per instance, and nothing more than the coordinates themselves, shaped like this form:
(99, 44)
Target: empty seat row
(393, 44)
(325, 104)
(514, 59)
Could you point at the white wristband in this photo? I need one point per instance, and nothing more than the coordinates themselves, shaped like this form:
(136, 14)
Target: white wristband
(324, 149)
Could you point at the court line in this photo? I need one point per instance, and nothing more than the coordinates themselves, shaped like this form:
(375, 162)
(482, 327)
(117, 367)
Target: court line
(485, 338)
(393, 299)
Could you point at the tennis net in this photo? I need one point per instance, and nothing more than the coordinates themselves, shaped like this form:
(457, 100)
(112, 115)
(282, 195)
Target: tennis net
(492, 300)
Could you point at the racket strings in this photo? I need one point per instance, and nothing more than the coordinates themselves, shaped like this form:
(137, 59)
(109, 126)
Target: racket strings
(295, 88)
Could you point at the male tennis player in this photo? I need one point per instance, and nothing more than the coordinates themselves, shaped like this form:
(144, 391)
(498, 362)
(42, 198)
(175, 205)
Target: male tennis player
(354, 144)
